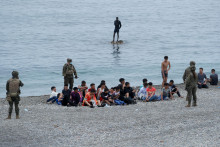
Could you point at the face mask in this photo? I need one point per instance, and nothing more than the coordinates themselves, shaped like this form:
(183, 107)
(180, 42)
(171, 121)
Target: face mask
(71, 62)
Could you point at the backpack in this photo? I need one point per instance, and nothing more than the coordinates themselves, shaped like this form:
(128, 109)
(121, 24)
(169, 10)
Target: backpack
(14, 87)
(69, 69)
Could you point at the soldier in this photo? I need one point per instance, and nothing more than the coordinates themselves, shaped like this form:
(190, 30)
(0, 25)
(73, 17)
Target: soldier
(187, 72)
(13, 92)
(68, 71)
(191, 86)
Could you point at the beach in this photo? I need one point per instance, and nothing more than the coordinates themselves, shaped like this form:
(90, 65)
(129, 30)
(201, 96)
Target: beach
(162, 123)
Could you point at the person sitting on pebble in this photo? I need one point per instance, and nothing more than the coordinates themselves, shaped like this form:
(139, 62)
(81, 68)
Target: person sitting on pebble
(74, 97)
(142, 94)
(165, 93)
(116, 96)
(174, 89)
(106, 97)
(129, 94)
(59, 99)
(213, 78)
(90, 99)
(66, 95)
(83, 88)
(53, 95)
(202, 79)
(151, 96)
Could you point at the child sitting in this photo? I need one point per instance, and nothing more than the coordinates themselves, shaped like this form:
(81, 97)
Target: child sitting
(90, 99)
(83, 88)
(174, 89)
(151, 93)
(106, 97)
(129, 94)
(74, 97)
(53, 95)
(165, 93)
(116, 96)
(59, 98)
(142, 94)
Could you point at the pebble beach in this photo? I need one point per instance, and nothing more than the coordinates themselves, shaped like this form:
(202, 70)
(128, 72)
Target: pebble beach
(162, 123)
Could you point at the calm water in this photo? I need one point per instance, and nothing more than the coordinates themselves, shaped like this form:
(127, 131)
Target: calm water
(37, 37)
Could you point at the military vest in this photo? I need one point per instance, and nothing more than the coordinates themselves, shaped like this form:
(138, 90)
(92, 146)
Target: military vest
(69, 69)
(14, 87)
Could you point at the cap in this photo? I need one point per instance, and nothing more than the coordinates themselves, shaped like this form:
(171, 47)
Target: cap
(15, 73)
(69, 60)
(192, 63)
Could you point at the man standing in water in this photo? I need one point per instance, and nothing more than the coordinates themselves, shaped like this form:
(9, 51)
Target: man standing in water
(118, 25)
(13, 91)
(68, 71)
(165, 69)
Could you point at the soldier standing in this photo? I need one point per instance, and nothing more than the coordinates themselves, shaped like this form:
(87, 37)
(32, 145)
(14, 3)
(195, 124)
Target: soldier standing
(13, 91)
(68, 71)
(187, 73)
(191, 86)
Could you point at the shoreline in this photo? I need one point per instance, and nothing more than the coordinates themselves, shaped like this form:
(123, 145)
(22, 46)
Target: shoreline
(136, 87)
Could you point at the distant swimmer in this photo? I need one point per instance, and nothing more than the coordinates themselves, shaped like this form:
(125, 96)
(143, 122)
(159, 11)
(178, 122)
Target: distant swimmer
(165, 69)
(118, 25)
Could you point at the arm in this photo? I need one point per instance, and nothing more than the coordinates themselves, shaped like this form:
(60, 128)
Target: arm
(184, 76)
(161, 96)
(98, 92)
(153, 93)
(21, 84)
(64, 70)
(7, 86)
(205, 79)
(169, 67)
(162, 69)
(75, 73)
(120, 25)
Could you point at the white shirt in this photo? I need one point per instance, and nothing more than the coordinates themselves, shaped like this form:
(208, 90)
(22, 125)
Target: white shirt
(142, 92)
(53, 93)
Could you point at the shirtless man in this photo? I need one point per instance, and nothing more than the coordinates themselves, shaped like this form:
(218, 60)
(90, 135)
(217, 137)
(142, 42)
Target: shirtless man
(164, 70)
(118, 25)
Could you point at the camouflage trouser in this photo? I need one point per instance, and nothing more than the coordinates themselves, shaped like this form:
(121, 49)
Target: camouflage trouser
(191, 92)
(16, 101)
(69, 80)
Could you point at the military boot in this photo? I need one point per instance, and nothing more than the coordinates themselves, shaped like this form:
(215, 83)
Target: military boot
(9, 116)
(17, 117)
(188, 105)
(194, 105)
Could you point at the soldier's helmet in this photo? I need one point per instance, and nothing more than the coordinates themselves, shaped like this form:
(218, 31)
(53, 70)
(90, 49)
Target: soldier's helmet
(69, 60)
(192, 63)
(192, 67)
(15, 74)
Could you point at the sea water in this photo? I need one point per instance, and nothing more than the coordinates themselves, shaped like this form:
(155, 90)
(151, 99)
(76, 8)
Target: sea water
(37, 36)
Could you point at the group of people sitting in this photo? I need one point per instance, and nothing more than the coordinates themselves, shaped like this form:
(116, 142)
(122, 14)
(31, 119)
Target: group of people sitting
(100, 97)
(203, 80)
(122, 94)
(103, 96)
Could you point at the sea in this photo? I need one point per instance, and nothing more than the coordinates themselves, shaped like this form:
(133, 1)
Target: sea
(37, 36)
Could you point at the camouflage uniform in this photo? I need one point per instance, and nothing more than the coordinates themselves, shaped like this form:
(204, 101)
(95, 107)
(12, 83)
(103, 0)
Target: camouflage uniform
(13, 91)
(187, 73)
(68, 71)
(191, 86)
